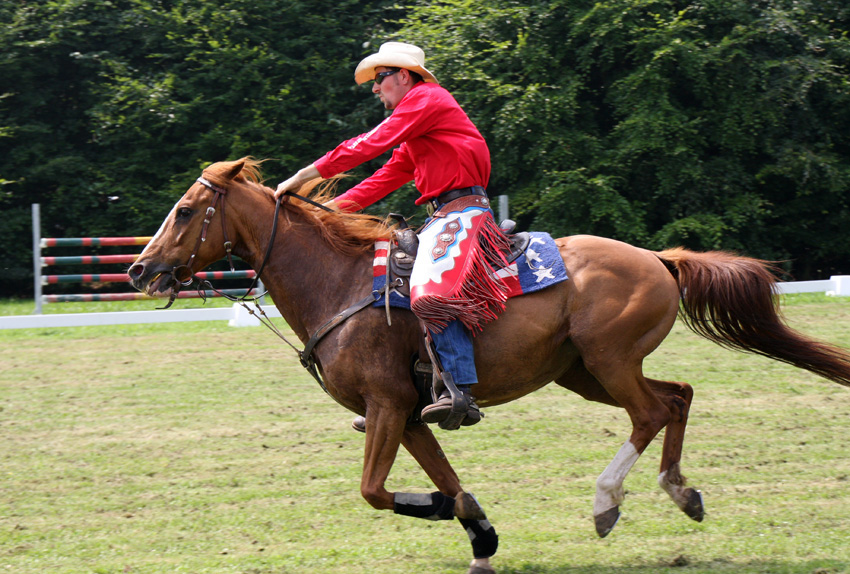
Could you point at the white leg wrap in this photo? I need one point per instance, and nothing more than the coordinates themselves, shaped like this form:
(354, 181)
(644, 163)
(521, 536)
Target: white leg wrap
(609, 485)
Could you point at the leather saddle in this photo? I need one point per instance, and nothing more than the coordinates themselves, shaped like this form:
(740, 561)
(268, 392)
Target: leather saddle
(405, 243)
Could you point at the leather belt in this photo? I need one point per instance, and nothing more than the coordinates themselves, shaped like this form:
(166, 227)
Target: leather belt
(454, 194)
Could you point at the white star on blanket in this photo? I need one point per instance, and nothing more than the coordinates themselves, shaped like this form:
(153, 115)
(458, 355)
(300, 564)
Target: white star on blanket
(533, 257)
(544, 273)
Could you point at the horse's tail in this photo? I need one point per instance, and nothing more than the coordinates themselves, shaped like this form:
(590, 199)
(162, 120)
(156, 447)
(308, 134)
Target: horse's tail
(731, 300)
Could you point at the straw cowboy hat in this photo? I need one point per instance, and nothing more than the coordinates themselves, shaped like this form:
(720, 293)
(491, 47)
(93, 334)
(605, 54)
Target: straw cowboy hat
(394, 55)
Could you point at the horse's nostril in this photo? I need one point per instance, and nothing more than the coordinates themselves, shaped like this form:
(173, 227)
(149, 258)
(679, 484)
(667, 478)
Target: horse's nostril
(136, 271)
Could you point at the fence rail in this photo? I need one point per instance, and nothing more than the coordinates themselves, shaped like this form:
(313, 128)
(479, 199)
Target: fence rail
(45, 242)
(124, 278)
(89, 259)
(137, 296)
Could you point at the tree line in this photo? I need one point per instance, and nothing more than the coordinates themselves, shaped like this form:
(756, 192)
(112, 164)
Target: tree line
(712, 124)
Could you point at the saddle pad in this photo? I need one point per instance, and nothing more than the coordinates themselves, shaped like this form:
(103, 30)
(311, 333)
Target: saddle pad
(539, 267)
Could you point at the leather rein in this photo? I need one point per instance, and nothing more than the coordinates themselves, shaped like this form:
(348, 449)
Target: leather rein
(184, 276)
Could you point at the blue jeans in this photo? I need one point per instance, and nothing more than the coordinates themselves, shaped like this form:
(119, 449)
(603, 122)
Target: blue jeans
(454, 348)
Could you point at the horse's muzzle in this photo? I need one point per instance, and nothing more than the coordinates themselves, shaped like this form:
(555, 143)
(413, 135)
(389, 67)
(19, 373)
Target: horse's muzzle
(158, 279)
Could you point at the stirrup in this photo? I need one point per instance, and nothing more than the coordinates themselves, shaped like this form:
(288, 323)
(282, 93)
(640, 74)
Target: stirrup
(463, 410)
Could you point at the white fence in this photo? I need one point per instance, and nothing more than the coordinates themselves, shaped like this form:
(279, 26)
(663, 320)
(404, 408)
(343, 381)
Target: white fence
(835, 285)
(236, 316)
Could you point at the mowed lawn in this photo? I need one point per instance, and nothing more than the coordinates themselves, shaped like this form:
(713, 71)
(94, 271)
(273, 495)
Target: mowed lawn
(202, 448)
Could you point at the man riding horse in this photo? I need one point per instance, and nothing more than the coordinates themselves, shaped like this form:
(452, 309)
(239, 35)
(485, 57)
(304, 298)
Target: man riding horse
(453, 291)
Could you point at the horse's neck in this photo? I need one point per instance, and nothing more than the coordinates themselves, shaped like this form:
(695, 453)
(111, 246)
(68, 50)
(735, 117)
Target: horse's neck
(307, 279)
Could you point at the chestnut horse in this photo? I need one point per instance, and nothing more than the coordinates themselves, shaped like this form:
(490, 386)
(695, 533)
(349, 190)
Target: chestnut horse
(589, 334)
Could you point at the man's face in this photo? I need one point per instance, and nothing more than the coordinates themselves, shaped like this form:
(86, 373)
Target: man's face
(392, 88)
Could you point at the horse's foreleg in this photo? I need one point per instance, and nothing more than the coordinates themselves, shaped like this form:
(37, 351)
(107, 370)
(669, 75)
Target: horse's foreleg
(449, 501)
(677, 397)
(384, 430)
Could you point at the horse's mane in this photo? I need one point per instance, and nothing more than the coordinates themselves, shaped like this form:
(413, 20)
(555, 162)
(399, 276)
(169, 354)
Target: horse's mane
(349, 233)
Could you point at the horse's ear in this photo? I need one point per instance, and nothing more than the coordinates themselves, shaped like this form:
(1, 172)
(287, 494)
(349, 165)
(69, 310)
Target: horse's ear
(234, 170)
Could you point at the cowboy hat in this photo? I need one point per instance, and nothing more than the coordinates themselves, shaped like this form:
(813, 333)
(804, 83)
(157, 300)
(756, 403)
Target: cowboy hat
(394, 55)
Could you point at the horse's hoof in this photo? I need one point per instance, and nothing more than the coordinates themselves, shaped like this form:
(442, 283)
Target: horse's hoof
(467, 507)
(694, 508)
(606, 521)
(359, 424)
(481, 566)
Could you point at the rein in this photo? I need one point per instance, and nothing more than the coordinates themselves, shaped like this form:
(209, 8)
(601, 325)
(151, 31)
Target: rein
(306, 356)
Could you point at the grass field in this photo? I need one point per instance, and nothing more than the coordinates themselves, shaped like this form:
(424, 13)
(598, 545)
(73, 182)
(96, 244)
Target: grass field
(201, 448)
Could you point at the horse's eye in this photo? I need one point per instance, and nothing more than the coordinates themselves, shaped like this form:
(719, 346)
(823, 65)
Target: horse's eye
(184, 213)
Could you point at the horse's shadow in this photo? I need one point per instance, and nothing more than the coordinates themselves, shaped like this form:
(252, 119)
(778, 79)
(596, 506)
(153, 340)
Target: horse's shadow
(679, 564)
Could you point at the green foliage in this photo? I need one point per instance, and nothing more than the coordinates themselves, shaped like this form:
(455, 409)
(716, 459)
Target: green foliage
(710, 123)
(109, 109)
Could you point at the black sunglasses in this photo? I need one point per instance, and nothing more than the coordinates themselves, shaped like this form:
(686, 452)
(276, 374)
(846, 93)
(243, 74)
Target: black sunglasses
(379, 77)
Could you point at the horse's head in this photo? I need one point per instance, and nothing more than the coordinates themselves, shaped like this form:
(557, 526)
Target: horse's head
(195, 233)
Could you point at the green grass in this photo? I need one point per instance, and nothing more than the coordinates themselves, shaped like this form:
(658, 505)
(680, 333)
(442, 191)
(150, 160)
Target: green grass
(202, 448)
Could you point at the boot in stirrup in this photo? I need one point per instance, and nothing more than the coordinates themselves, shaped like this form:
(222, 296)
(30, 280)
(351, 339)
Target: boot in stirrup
(359, 424)
(439, 411)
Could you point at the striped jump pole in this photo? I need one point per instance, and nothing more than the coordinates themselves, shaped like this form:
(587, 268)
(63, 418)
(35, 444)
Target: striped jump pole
(42, 279)
(88, 259)
(90, 297)
(124, 278)
(92, 259)
(92, 241)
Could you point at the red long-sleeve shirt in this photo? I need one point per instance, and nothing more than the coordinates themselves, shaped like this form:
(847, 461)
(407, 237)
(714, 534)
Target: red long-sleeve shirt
(439, 148)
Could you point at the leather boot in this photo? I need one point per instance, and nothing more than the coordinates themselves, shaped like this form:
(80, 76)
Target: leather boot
(440, 410)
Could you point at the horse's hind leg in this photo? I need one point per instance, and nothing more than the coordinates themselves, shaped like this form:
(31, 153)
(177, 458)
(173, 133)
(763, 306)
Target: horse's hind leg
(677, 397)
(626, 388)
(648, 416)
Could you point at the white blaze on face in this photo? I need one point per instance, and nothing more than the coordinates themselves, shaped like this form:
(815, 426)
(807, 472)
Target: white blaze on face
(161, 230)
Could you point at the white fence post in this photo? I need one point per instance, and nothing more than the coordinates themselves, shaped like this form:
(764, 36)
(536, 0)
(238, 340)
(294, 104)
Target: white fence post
(841, 284)
(503, 207)
(36, 255)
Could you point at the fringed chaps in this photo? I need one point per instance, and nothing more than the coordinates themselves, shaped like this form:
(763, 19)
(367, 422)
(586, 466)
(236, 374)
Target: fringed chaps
(454, 277)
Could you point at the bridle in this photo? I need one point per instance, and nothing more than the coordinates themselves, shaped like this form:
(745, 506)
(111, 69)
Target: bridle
(184, 276)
